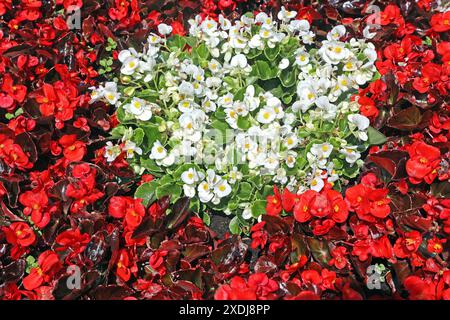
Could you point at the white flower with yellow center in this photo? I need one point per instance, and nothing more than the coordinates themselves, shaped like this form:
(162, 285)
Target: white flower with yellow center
(266, 115)
(351, 154)
(111, 151)
(336, 33)
(291, 141)
(222, 189)
(286, 15)
(306, 97)
(140, 109)
(317, 184)
(158, 151)
(322, 150)
(190, 176)
(130, 148)
(209, 26)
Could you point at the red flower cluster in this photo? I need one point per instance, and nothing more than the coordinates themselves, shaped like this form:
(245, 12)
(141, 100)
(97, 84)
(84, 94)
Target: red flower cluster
(423, 163)
(257, 287)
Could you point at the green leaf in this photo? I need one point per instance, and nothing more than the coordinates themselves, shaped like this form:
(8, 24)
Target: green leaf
(206, 219)
(258, 208)
(287, 98)
(169, 189)
(351, 172)
(288, 77)
(272, 53)
(150, 165)
(18, 112)
(146, 192)
(263, 70)
(234, 226)
(243, 123)
(176, 42)
(151, 134)
(245, 190)
(118, 132)
(375, 136)
(202, 51)
(138, 136)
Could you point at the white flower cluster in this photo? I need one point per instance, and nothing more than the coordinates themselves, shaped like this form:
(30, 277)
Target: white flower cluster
(299, 132)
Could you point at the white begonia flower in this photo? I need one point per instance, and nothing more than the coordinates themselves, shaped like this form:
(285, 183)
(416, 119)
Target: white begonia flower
(291, 141)
(209, 105)
(360, 121)
(323, 102)
(185, 106)
(261, 17)
(291, 158)
(140, 109)
(371, 54)
(222, 189)
(190, 176)
(300, 26)
(289, 118)
(205, 188)
(266, 33)
(131, 148)
(164, 29)
(226, 100)
(154, 39)
(168, 161)
(333, 52)
(286, 15)
(256, 42)
(301, 58)
(112, 151)
(239, 42)
(336, 33)
(129, 65)
(351, 154)
(239, 61)
(110, 93)
(322, 150)
(209, 26)
(225, 24)
(158, 151)
(351, 65)
(266, 115)
(362, 76)
(186, 89)
(284, 63)
(317, 184)
(367, 32)
(214, 66)
(96, 94)
(189, 191)
(271, 163)
(247, 213)
(280, 176)
(306, 96)
(234, 175)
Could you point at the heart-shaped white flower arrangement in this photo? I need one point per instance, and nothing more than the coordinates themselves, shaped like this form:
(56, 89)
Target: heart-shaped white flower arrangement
(223, 115)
